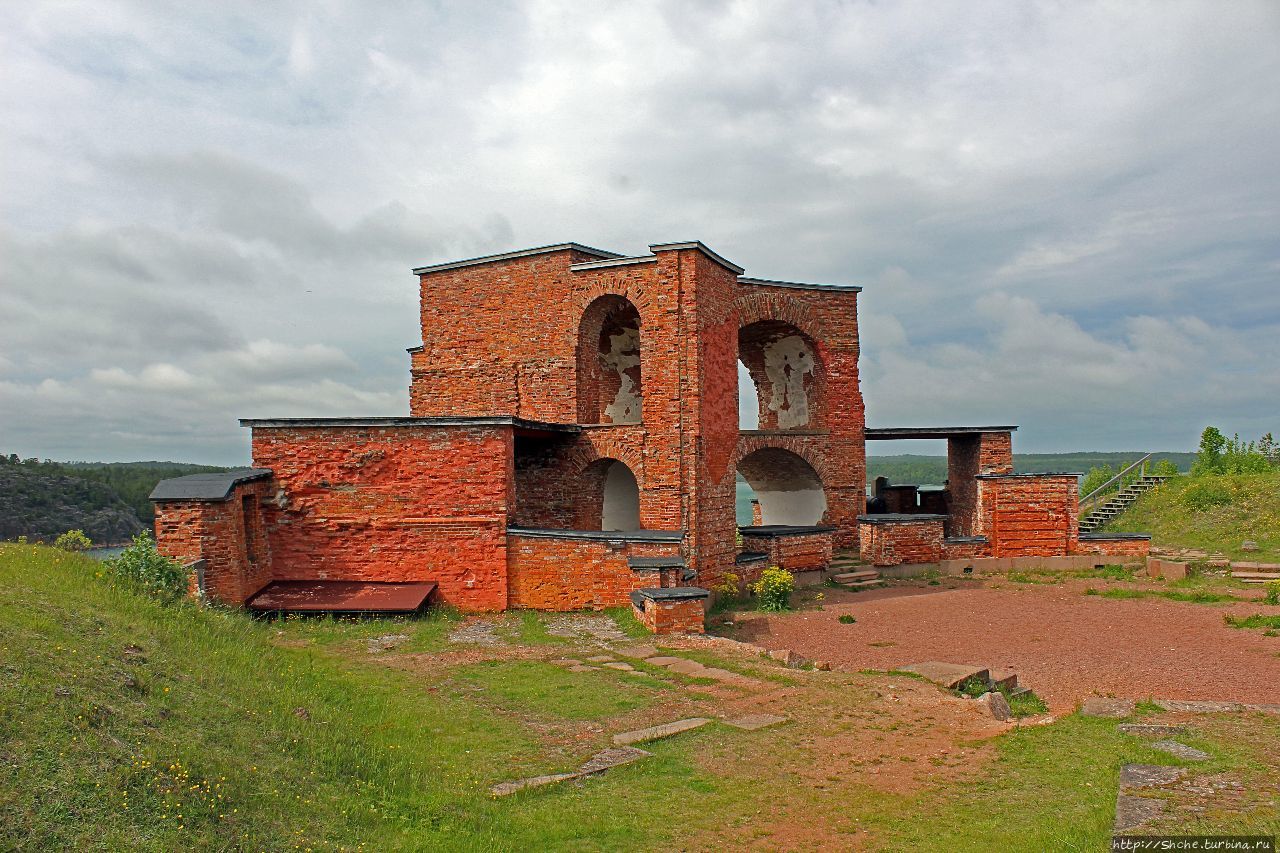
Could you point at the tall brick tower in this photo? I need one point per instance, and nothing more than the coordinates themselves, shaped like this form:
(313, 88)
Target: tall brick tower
(641, 353)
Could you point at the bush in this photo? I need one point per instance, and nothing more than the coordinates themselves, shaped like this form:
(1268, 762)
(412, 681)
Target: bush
(1205, 494)
(141, 564)
(846, 619)
(1273, 593)
(1165, 468)
(1095, 478)
(774, 589)
(74, 541)
(728, 586)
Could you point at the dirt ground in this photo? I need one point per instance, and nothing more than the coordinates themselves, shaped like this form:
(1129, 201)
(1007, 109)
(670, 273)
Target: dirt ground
(1063, 644)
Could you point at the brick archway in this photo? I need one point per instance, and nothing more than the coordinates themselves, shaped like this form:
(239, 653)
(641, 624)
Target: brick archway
(609, 361)
(789, 489)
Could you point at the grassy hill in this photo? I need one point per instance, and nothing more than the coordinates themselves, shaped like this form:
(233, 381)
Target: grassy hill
(1178, 515)
(128, 724)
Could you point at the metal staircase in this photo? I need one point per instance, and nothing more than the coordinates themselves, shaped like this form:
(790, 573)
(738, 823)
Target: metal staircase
(1099, 506)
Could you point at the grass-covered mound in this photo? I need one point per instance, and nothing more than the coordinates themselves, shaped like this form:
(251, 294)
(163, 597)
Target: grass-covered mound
(1212, 512)
(130, 724)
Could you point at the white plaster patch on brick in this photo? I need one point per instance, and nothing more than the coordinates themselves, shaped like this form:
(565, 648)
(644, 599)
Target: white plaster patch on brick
(786, 363)
(623, 354)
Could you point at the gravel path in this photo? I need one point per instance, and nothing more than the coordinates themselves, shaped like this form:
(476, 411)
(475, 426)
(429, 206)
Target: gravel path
(1063, 644)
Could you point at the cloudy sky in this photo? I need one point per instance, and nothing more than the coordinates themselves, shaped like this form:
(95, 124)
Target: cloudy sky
(1064, 215)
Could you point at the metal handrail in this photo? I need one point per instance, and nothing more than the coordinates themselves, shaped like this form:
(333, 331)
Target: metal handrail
(1098, 492)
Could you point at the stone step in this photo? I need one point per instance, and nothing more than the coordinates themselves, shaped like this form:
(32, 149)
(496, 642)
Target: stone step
(860, 575)
(949, 675)
(860, 584)
(1260, 576)
(1005, 678)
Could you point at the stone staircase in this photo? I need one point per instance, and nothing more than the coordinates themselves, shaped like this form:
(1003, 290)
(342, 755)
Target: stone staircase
(848, 570)
(1121, 501)
(1257, 573)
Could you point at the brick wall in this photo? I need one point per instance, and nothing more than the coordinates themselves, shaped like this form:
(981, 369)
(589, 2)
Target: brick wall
(798, 553)
(402, 503)
(967, 457)
(894, 543)
(1029, 515)
(576, 574)
(1118, 547)
(229, 535)
(673, 617)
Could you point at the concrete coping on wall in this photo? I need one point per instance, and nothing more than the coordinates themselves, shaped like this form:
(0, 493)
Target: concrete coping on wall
(774, 530)
(396, 422)
(901, 517)
(1074, 474)
(799, 285)
(1113, 537)
(649, 564)
(890, 433)
(598, 535)
(670, 593)
(215, 487)
(964, 540)
(701, 247)
(750, 557)
(612, 262)
(518, 253)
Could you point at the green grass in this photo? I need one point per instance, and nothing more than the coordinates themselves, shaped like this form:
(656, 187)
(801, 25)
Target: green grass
(1199, 596)
(537, 689)
(1257, 620)
(1253, 513)
(126, 724)
(531, 630)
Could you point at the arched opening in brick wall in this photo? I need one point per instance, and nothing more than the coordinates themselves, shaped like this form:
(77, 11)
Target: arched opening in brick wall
(610, 497)
(787, 373)
(610, 390)
(787, 487)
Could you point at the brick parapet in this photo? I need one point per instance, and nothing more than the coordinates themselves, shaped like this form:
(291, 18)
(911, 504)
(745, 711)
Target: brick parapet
(906, 541)
(577, 574)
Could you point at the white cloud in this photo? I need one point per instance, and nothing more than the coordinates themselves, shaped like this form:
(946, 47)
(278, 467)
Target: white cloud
(221, 202)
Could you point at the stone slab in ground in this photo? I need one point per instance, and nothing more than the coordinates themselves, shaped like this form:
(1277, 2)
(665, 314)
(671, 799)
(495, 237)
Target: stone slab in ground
(600, 658)
(615, 757)
(1199, 707)
(504, 789)
(598, 763)
(567, 662)
(751, 722)
(1132, 812)
(1105, 706)
(660, 731)
(637, 652)
(663, 660)
(577, 667)
(1148, 775)
(949, 675)
(617, 664)
(1153, 729)
(1181, 750)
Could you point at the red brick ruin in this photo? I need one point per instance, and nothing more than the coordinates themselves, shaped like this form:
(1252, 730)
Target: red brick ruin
(573, 442)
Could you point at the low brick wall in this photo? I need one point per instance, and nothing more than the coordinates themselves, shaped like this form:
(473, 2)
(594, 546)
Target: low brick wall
(683, 613)
(795, 549)
(1115, 544)
(1029, 515)
(227, 534)
(577, 570)
(893, 539)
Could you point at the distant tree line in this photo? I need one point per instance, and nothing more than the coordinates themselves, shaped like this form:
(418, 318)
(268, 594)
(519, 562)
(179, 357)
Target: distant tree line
(41, 499)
